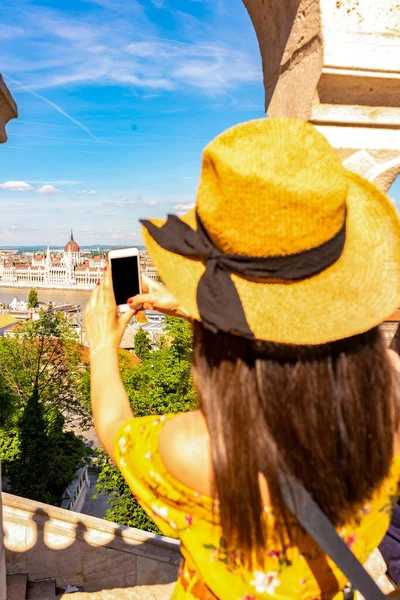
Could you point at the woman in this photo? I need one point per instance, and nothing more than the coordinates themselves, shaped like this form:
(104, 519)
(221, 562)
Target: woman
(286, 266)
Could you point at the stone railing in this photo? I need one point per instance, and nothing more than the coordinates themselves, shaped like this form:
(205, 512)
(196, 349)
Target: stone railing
(45, 541)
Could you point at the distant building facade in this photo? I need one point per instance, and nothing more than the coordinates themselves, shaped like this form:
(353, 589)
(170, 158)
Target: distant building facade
(70, 270)
(390, 326)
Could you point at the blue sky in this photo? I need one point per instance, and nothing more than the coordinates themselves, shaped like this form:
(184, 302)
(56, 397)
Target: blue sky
(117, 99)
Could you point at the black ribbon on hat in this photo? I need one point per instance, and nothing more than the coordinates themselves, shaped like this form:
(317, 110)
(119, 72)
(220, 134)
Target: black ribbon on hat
(218, 301)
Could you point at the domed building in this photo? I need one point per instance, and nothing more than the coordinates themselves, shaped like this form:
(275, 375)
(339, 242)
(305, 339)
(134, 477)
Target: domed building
(67, 270)
(72, 252)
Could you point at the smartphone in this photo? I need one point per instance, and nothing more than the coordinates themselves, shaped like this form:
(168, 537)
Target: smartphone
(125, 274)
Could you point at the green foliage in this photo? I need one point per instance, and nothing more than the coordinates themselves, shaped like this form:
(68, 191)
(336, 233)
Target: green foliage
(7, 405)
(33, 299)
(124, 508)
(44, 355)
(45, 457)
(162, 384)
(181, 333)
(40, 387)
(142, 344)
(125, 361)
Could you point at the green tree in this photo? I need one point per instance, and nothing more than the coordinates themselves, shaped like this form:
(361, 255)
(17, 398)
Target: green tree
(39, 390)
(162, 384)
(46, 457)
(142, 344)
(44, 355)
(33, 299)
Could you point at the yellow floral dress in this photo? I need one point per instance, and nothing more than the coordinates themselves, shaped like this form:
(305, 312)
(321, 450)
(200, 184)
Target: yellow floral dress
(303, 571)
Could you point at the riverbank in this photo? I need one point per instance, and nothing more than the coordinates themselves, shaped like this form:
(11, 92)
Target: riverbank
(45, 295)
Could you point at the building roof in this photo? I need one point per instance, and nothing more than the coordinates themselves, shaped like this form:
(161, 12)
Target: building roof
(72, 245)
(6, 320)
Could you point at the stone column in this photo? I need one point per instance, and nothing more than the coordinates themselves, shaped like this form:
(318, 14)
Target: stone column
(289, 34)
(8, 111)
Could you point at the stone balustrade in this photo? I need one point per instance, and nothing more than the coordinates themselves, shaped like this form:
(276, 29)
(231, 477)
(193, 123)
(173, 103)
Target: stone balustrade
(45, 541)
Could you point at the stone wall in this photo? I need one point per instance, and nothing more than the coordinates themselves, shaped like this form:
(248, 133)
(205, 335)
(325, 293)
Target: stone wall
(45, 541)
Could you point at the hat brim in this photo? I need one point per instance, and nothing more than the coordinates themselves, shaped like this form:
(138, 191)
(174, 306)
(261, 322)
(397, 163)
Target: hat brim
(353, 295)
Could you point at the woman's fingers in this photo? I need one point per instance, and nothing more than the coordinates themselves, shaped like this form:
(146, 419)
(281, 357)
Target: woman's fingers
(149, 285)
(137, 302)
(124, 319)
(93, 298)
(106, 289)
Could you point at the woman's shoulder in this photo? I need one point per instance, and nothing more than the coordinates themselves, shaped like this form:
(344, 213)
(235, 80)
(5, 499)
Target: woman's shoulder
(185, 450)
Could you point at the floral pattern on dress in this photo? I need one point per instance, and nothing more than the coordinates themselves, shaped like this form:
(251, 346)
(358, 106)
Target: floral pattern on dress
(265, 583)
(193, 517)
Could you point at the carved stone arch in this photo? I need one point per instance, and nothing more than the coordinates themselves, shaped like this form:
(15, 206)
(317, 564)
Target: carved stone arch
(8, 109)
(382, 167)
(388, 175)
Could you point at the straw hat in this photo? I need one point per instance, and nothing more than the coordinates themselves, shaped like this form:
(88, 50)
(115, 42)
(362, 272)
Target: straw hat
(284, 244)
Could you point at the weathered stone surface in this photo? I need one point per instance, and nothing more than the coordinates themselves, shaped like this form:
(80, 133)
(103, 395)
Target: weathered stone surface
(150, 571)
(8, 109)
(369, 138)
(362, 34)
(356, 115)
(289, 36)
(381, 172)
(76, 549)
(156, 592)
(381, 167)
(388, 176)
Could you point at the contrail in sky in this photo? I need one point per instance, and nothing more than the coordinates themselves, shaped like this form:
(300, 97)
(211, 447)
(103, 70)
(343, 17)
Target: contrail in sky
(57, 108)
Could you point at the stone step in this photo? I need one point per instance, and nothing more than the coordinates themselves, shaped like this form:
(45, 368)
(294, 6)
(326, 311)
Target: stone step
(16, 586)
(44, 589)
(151, 592)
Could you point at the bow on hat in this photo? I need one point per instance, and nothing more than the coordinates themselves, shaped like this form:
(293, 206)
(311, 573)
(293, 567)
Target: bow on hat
(218, 301)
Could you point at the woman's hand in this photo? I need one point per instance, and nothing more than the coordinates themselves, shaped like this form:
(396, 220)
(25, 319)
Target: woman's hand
(156, 297)
(104, 328)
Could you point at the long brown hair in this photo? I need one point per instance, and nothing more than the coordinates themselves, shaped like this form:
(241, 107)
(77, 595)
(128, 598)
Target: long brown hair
(325, 412)
(395, 344)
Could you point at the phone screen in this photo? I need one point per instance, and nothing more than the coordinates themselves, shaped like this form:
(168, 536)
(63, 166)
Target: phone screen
(125, 276)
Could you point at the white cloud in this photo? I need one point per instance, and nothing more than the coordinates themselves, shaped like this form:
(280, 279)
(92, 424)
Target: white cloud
(105, 55)
(6, 234)
(10, 32)
(47, 190)
(65, 182)
(151, 203)
(90, 192)
(123, 201)
(16, 186)
(183, 207)
(58, 182)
